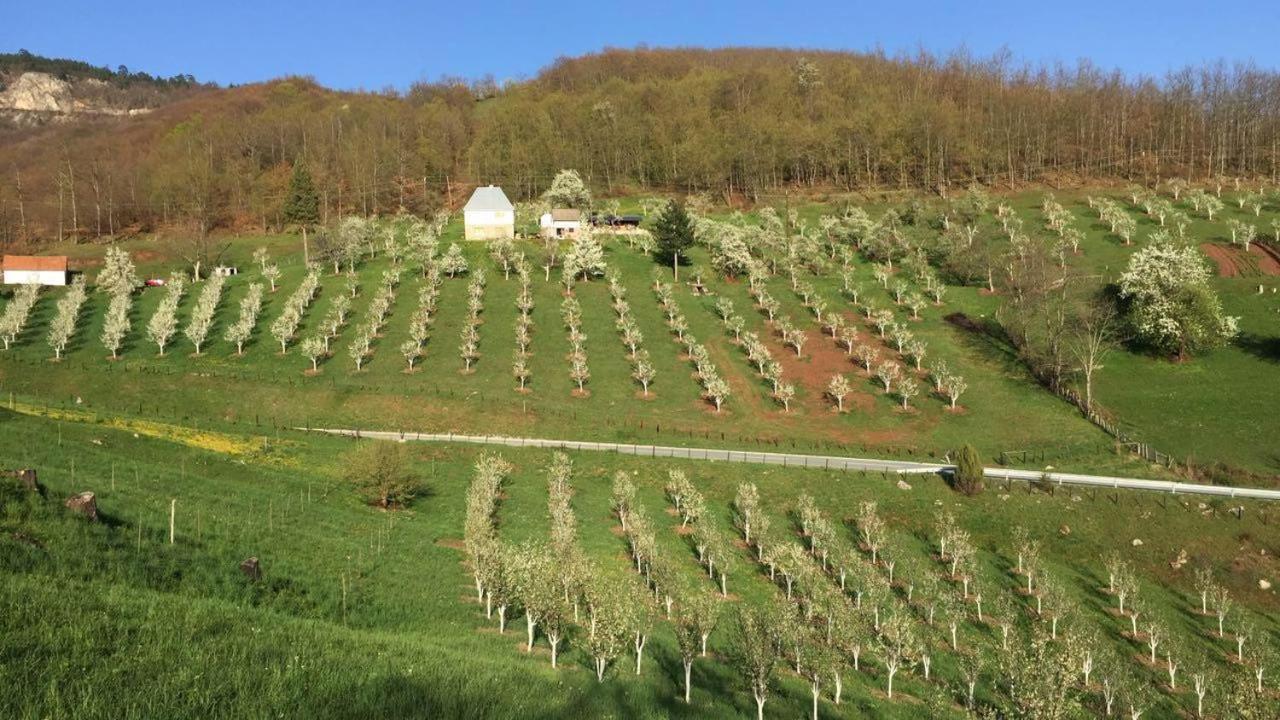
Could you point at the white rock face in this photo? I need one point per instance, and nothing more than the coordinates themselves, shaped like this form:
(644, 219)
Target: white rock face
(38, 92)
(41, 94)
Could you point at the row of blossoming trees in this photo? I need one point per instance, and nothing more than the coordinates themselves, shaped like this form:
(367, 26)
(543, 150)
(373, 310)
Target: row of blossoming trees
(583, 261)
(118, 278)
(996, 634)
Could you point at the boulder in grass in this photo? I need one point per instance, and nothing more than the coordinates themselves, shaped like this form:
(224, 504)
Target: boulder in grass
(86, 504)
(26, 476)
(252, 569)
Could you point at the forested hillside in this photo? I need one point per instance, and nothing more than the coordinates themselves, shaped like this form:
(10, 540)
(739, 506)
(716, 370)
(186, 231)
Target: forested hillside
(12, 64)
(735, 121)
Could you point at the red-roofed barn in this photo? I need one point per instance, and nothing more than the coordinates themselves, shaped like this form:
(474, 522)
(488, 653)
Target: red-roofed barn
(41, 270)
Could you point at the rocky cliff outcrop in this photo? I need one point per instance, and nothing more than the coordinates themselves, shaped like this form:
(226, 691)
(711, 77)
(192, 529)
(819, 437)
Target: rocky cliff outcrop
(34, 98)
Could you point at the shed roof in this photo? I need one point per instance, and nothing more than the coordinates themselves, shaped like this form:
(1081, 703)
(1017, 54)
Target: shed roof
(38, 263)
(566, 215)
(489, 197)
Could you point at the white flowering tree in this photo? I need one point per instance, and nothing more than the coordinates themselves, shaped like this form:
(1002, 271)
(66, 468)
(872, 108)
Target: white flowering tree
(241, 330)
(454, 262)
(585, 258)
(568, 190)
(63, 326)
(785, 393)
(272, 275)
(164, 321)
(503, 252)
(1170, 304)
(116, 324)
(17, 312)
(644, 371)
(887, 373)
(838, 389)
(314, 349)
(118, 274)
(907, 389)
(953, 386)
(201, 322)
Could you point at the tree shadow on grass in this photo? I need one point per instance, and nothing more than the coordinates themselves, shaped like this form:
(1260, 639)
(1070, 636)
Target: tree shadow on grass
(1260, 346)
(985, 337)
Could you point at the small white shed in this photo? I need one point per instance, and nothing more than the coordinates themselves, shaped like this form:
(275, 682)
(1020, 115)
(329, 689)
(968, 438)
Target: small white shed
(489, 215)
(561, 223)
(41, 270)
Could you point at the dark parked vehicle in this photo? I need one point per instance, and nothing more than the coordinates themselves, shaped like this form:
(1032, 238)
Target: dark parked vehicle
(616, 220)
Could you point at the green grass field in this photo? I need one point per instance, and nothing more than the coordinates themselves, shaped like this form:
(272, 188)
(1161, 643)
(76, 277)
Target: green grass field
(1176, 407)
(363, 612)
(1218, 407)
(110, 620)
(1001, 411)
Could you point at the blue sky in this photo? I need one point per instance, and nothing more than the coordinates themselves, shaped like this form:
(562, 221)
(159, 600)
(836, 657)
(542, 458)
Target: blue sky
(375, 44)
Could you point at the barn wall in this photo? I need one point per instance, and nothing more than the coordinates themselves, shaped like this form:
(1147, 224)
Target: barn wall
(40, 277)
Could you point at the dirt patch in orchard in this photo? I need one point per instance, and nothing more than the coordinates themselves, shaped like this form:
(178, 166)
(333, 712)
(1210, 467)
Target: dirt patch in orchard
(1269, 263)
(821, 359)
(1233, 262)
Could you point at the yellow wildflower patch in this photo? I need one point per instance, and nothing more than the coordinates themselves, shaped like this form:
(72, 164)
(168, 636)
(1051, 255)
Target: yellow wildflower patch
(203, 439)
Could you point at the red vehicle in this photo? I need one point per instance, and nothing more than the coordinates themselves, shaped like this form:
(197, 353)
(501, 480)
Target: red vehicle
(155, 282)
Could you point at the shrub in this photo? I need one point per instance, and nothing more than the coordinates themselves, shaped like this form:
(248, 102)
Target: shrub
(967, 477)
(381, 473)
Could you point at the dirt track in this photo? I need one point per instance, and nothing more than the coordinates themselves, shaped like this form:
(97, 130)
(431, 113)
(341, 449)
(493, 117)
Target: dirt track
(1232, 262)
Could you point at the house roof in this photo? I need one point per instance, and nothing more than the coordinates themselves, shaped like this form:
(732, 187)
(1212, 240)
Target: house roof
(566, 215)
(48, 263)
(489, 197)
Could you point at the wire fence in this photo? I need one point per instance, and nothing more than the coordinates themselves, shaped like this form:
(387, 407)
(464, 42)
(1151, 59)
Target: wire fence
(624, 425)
(1107, 422)
(824, 462)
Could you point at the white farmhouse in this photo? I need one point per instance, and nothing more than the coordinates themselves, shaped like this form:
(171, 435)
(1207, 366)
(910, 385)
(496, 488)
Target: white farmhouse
(561, 223)
(41, 270)
(489, 215)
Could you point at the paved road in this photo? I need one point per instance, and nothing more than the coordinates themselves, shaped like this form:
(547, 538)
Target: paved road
(827, 462)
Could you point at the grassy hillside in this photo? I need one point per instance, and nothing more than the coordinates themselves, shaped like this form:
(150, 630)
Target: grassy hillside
(1214, 407)
(110, 620)
(1001, 411)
